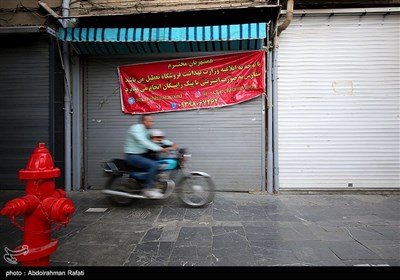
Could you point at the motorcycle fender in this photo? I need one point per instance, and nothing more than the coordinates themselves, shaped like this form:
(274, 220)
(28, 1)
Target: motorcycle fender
(200, 173)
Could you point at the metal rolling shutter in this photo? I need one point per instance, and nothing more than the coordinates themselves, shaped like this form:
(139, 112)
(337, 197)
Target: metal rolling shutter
(339, 102)
(225, 142)
(24, 105)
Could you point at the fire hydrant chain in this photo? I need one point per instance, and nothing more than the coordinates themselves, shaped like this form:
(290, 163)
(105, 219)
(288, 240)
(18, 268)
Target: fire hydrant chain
(15, 223)
(45, 214)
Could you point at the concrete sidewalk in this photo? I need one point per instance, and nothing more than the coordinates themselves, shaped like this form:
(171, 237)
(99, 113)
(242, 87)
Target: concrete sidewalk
(237, 229)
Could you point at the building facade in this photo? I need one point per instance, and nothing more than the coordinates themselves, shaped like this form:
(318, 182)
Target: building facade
(327, 119)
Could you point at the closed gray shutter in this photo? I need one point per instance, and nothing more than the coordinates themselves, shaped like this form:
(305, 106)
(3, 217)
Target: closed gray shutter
(224, 142)
(24, 105)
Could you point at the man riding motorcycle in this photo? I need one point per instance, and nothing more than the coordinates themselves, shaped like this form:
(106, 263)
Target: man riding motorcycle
(137, 145)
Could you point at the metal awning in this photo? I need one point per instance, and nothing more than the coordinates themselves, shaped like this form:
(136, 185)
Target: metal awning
(121, 41)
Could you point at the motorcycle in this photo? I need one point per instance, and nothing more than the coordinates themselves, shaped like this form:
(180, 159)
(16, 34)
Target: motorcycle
(194, 188)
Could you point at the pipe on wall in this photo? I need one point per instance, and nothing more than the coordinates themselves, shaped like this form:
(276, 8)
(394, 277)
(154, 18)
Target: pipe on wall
(67, 101)
(288, 18)
(275, 78)
(275, 118)
(270, 154)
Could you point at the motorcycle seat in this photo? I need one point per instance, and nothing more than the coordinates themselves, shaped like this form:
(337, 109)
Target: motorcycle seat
(118, 164)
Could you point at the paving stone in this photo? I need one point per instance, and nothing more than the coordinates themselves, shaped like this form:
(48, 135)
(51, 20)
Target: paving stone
(170, 233)
(93, 254)
(195, 235)
(257, 233)
(191, 255)
(232, 254)
(372, 263)
(226, 212)
(274, 256)
(314, 251)
(169, 213)
(229, 233)
(392, 232)
(330, 233)
(252, 213)
(364, 233)
(153, 234)
(386, 249)
(150, 254)
(352, 251)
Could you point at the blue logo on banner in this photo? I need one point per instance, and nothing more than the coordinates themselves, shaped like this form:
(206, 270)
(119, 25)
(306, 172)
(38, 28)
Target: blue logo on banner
(131, 100)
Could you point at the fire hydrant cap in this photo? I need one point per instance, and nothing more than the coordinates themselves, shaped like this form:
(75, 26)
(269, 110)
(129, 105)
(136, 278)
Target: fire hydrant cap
(62, 209)
(40, 165)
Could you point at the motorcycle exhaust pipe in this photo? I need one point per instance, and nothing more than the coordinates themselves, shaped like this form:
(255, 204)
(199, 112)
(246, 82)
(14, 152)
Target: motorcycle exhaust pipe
(124, 194)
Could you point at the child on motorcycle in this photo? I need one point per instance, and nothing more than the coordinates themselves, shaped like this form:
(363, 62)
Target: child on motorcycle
(157, 136)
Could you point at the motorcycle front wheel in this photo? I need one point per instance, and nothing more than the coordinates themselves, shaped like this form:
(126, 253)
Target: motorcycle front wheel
(115, 183)
(196, 190)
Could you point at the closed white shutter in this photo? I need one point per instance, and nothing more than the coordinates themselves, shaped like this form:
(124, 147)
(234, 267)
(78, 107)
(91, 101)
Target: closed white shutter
(339, 88)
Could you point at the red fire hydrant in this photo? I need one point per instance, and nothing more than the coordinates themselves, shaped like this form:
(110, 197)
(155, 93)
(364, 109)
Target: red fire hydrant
(41, 206)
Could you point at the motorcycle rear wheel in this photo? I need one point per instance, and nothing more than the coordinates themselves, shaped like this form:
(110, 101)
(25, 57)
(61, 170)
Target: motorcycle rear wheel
(196, 190)
(115, 183)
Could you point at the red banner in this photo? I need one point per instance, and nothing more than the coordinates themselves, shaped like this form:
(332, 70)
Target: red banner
(193, 83)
